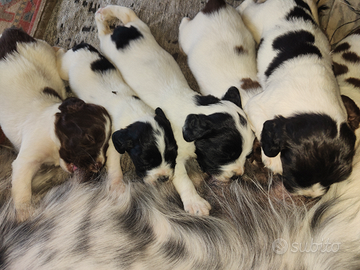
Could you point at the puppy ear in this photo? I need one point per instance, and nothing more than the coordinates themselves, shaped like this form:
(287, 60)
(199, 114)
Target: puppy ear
(353, 112)
(196, 126)
(122, 141)
(272, 137)
(233, 95)
(159, 112)
(71, 105)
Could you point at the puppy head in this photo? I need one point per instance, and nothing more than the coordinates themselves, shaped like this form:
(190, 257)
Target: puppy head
(151, 146)
(315, 151)
(222, 139)
(83, 131)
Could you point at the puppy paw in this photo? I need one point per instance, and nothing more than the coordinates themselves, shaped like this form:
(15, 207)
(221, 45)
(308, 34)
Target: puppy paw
(102, 25)
(274, 164)
(196, 206)
(23, 212)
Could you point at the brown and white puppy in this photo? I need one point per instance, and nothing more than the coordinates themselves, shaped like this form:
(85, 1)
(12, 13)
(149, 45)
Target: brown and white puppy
(346, 64)
(299, 117)
(220, 50)
(42, 125)
(213, 131)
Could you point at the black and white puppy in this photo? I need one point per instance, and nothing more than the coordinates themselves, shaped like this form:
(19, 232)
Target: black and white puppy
(146, 135)
(346, 65)
(299, 118)
(213, 130)
(42, 125)
(220, 50)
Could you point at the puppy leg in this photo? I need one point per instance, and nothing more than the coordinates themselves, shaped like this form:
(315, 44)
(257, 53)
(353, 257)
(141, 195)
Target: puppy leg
(192, 201)
(115, 174)
(62, 64)
(274, 164)
(124, 14)
(182, 34)
(24, 168)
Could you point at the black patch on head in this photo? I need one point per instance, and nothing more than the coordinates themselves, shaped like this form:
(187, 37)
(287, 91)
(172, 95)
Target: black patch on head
(291, 45)
(138, 140)
(206, 100)
(299, 13)
(216, 138)
(351, 57)
(86, 46)
(243, 120)
(122, 36)
(174, 250)
(9, 39)
(51, 92)
(170, 142)
(312, 150)
(339, 69)
(102, 65)
(354, 82)
(342, 47)
(213, 6)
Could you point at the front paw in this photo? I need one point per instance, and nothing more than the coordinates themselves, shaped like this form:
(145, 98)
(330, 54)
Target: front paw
(274, 164)
(195, 205)
(23, 212)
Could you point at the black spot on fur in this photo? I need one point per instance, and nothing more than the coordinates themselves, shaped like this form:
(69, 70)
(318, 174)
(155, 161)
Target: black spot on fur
(122, 36)
(213, 6)
(353, 112)
(240, 50)
(242, 119)
(339, 69)
(354, 82)
(299, 13)
(84, 45)
(102, 65)
(303, 5)
(206, 100)
(9, 39)
(291, 45)
(351, 57)
(170, 142)
(342, 47)
(136, 97)
(51, 92)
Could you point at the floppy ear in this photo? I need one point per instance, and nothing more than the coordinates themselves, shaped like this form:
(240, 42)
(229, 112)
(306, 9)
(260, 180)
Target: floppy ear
(196, 126)
(71, 105)
(161, 117)
(122, 141)
(233, 95)
(353, 112)
(159, 112)
(272, 137)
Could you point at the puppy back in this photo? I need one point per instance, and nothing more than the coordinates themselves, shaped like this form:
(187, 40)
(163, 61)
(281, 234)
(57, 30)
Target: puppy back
(9, 40)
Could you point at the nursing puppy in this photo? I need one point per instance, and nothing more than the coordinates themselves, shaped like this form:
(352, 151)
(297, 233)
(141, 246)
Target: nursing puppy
(213, 130)
(42, 125)
(346, 64)
(220, 51)
(146, 135)
(299, 118)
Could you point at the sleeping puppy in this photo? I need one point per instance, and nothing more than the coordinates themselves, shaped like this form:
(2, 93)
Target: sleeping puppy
(42, 125)
(299, 118)
(145, 135)
(213, 130)
(346, 65)
(220, 51)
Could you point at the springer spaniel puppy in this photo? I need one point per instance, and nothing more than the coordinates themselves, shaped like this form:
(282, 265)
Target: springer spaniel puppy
(42, 125)
(146, 135)
(220, 50)
(346, 65)
(212, 130)
(299, 118)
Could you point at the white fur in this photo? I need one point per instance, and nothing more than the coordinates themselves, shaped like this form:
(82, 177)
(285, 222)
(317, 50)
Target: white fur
(156, 77)
(100, 88)
(27, 116)
(210, 41)
(305, 85)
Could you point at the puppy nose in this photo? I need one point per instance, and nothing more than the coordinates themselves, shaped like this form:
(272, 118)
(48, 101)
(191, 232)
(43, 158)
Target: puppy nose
(96, 166)
(163, 178)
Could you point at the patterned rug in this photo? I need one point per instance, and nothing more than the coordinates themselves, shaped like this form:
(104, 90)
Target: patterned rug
(26, 14)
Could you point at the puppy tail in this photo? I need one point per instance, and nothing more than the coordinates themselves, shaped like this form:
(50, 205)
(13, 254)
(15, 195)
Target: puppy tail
(124, 14)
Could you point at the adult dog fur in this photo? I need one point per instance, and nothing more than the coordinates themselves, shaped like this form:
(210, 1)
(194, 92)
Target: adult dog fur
(299, 118)
(79, 226)
(220, 51)
(213, 130)
(41, 124)
(146, 135)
